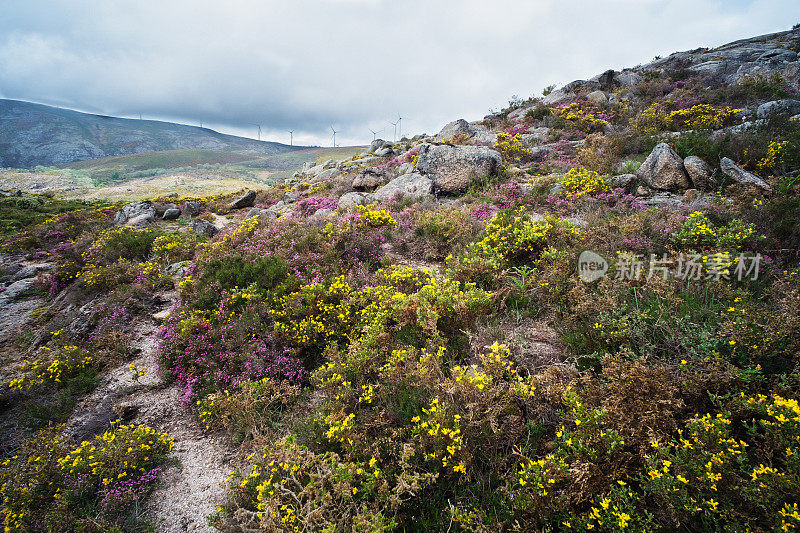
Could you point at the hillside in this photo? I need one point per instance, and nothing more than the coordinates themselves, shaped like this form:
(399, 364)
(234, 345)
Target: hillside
(577, 314)
(35, 134)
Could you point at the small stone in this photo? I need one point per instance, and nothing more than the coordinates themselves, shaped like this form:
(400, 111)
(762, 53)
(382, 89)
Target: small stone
(369, 179)
(624, 181)
(137, 214)
(690, 196)
(351, 199)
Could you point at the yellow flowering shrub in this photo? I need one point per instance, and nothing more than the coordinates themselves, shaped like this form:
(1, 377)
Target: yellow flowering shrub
(706, 471)
(780, 156)
(374, 218)
(316, 313)
(50, 485)
(702, 116)
(580, 181)
(582, 119)
(294, 489)
(511, 146)
(54, 367)
(437, 432)
(699, 231)
(511, 234)
(659, 117)
(176, 247)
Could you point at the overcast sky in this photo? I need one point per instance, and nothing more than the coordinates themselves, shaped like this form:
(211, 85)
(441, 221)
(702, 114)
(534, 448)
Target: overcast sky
(355, 64)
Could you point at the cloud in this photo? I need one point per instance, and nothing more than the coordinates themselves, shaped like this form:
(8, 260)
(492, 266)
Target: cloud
(307, 64)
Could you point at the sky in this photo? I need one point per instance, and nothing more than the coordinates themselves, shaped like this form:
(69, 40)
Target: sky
(307, 65)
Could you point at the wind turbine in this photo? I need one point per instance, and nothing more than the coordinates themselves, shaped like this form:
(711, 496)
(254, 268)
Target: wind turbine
(375, 132)
(291, 137)
(399, 125)
(334, 136)
(259, 130)
(395, 129)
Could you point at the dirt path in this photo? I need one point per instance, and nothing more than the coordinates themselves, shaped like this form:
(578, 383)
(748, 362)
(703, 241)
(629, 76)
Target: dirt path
(191, 488)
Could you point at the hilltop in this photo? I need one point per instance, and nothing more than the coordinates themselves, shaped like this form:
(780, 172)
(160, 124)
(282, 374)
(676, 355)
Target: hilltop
(35, 134)
(579, 313)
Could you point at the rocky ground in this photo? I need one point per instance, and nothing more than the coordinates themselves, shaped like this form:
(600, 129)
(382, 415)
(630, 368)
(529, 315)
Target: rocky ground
(521, 158)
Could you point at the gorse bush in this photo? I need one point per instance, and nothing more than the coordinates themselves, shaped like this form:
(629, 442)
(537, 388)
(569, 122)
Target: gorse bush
(513, 235)
(175, 247)
(579, 181)
(511, 147)
(445, 363)
(49, 485)
(374, 218)
(661, 116)
(705, 476)
(781, 156)
(702, 116)
(583, 117)
(122, 243)
(699, 233)
(52, 369)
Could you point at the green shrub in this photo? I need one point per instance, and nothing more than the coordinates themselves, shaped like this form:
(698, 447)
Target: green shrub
(176, 247)
(260, 276)
(122, 243)
(538, 113)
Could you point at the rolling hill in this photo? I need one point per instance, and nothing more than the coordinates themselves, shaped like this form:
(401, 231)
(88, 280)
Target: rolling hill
(35, 134)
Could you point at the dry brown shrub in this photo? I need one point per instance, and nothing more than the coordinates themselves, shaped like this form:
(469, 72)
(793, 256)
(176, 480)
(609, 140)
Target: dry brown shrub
(642, 399)
(600, 152)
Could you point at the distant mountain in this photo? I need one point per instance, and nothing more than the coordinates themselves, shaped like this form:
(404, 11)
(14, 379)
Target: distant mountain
(35, 134)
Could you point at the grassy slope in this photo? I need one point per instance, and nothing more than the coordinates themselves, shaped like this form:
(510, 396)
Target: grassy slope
(182, 172)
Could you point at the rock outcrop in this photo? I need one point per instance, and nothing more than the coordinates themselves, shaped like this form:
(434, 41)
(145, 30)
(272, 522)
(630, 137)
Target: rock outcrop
(414, 185)
(202, 227)
(558, 97)
(248, 199)
(369, 179)
(701, 174)
(378, 145)
(740, 175)
(461, 127)
(597, 97)
(663, 169)
(136, 214)
(778, 107)
(171, 213)
(452, 169)
(351, 199)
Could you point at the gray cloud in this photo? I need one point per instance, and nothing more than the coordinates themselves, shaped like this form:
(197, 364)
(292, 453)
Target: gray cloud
(306, 64)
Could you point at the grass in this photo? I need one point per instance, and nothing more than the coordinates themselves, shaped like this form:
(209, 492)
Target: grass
(183, 172)
(20, 212)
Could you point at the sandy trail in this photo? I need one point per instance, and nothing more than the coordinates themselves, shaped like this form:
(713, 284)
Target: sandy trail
(191, 485)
